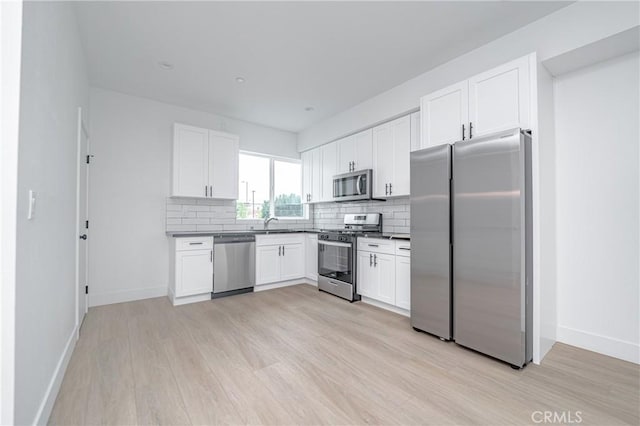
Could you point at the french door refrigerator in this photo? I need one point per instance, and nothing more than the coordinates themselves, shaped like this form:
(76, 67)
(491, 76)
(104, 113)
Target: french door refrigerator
(490, 244)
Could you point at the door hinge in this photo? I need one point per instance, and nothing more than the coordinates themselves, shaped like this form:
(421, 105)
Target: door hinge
(86, 289)
(86, 224)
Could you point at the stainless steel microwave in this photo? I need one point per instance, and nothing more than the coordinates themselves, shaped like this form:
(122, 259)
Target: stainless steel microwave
(353, 186)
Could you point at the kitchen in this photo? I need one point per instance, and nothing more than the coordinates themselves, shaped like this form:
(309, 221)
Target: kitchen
(299, 199)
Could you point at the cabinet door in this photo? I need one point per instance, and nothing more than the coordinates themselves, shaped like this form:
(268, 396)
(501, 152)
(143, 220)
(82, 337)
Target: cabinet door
(268, 264)
(403, 282)
(382, 160)
(385, 266)
(316, 175)
(190, 161)
(311, 254)
(346, 148)
(443, 113)
(401, 135)
(194, 272)
(292, 262)
(223, 165)
(329, 164)
(366, 284)
(307, 175)
(499, 98)
(363, 143)
(415, 131)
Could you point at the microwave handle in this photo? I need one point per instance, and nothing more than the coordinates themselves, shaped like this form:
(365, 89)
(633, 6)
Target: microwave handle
(359, 184)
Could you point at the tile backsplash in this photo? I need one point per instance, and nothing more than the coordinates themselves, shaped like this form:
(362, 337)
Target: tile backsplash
(395, 214)
(187, 214)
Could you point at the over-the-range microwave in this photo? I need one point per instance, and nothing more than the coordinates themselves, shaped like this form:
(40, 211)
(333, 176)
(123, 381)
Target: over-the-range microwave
(353, 186)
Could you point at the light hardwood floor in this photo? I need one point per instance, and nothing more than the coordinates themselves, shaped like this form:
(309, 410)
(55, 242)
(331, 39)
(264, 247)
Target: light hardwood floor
(298, 356)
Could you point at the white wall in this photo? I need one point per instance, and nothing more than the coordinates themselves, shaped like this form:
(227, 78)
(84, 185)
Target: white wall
(53, 86)
(565, 30)
(131, 139)
(10, 49)
(597, 122)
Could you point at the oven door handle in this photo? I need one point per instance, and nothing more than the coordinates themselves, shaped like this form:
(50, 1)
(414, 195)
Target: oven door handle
(335, 244)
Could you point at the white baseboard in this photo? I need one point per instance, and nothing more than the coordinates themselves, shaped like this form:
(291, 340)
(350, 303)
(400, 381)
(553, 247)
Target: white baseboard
(284, 284)
(98, 299)
(177, 301)
(386, 306)
(44, 411)
(627, 351)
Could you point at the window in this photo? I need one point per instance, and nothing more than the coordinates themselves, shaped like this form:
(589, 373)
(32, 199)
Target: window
(269, 187)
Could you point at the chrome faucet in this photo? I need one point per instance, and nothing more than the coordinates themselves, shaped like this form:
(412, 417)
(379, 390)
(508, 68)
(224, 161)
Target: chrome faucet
(267, 220)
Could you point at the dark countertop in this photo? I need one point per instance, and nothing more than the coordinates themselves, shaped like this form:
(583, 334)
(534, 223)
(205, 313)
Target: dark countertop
(275, 231)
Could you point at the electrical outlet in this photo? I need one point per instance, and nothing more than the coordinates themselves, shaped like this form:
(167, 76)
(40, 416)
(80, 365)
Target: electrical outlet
(32, 204)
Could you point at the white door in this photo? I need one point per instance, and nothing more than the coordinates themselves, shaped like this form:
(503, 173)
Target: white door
(316, 175)
(329, 165)
(292, 262)
(194, 272)
(363, 143)
(307, 174)
(385, 266)
(190, 161)
(415, 131)
(382, 160)
(83, 221)
(223, 165)
(346, 154)
(443, 113)
(311, 253)
(365, 279)
(499, 98)
(401, 135)
(268, 264)
(403, 282)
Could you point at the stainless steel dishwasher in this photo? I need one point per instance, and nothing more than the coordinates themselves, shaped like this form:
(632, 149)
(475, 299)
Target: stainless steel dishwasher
(234, 264)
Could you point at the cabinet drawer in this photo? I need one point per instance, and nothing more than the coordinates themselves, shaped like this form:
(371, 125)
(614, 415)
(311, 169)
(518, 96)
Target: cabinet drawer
(403, 248)
(279, 239)
(377, 245)
(194, 243)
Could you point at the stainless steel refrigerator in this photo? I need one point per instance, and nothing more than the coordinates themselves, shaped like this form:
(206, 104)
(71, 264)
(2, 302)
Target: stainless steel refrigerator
(483, 298)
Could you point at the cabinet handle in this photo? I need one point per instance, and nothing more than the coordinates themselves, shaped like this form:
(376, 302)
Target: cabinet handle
(390, 191)
(370, 259)
(405, 248)
(375, 260)
(462, 131)
(283, 250)
(196, 244)
(470, 130)
(206, 189)
(372, 245)
(211, 256)
(279, 250)
(210, 190)
(386, 189)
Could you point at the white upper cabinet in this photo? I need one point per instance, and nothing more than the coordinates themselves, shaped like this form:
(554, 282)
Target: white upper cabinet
(499, 99)
(391, 145)
(489, 102)
(443, 114)
(311, 175)
(190, 161)
(329, 153)
(355, 152)
(415, 131)
(224, 151)
(205, 163)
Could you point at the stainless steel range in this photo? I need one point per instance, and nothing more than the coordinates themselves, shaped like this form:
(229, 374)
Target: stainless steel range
(337, 254)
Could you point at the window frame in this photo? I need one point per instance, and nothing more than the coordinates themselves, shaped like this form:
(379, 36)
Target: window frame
(272, 159)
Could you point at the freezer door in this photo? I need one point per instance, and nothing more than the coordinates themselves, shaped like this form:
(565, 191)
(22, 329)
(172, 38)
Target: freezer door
(488, 244)
(430, 240)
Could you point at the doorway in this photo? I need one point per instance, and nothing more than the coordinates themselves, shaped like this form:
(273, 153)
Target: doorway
(82, 249)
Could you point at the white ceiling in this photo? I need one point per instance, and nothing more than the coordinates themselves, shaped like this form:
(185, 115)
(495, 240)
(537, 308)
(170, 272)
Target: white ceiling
(328, 55)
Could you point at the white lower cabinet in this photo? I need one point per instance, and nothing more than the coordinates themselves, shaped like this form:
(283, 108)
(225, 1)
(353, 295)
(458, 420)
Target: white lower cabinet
(192, 269)
(279, 258)
(311, 255)
(384, 271)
